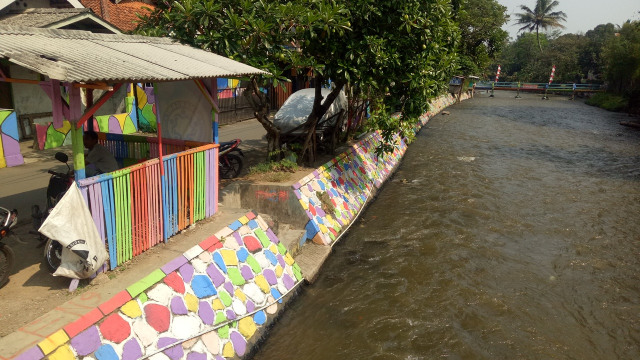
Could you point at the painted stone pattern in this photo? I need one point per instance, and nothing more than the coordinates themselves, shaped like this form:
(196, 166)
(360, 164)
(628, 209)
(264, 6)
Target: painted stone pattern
(206, 304)
(146, 109)
(333, 194)
(10, 154)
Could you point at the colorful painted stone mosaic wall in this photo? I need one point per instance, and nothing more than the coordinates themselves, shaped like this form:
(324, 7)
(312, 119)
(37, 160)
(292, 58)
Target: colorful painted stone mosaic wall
(208, 303)
(333, 195)
(10, 154)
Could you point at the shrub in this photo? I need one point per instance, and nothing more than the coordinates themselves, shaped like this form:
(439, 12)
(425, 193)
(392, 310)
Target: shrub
(608, 101)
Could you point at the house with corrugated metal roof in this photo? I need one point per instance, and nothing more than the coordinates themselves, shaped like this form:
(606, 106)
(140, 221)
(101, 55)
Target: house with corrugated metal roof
(169, 181)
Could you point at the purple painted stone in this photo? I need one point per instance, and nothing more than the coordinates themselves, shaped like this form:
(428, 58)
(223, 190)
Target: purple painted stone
(238, 238)
(229, 287)
(246, 272)
(270, 275)
(309, 214)
(186, 271)
(173, 265)
(281, 261)
(250, 306)
(288, 281)
(175, 352)
(272, 236)
(219, 357)
(231, 315)
(321, 212)
(196, 356)
(131, 350)
(309, 187)
(206, 312)
(33, 353)
(215, 275)
(239, 343)
(87, 341)
(178, 307)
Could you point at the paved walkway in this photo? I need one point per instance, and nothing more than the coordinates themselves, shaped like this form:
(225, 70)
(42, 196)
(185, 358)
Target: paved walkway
(50, 306)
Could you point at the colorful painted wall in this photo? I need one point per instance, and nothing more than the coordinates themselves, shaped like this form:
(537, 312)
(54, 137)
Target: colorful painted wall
(9, 140)
(335, 193)
(146, 108)
(209, 303)
(127, 123)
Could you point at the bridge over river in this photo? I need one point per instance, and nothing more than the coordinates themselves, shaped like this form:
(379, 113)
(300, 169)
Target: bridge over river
(510, 231)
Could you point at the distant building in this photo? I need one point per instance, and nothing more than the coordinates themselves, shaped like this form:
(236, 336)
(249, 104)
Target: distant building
(121, 13)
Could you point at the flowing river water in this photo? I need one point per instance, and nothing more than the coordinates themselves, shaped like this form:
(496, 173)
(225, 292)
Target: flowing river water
(510, 231)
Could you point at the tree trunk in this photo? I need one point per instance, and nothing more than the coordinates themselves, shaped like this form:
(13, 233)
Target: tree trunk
(319, 109)
(538, 38)
(260, 106)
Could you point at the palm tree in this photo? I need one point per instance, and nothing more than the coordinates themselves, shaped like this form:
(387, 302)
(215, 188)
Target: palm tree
(542, 16)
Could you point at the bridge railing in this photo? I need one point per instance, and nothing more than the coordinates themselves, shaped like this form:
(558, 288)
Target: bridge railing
(488, 85)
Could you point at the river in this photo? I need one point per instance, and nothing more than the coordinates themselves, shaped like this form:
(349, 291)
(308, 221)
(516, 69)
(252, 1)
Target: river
(510, 231)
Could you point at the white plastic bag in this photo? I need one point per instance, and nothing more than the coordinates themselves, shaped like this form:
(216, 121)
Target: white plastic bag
(70, 223)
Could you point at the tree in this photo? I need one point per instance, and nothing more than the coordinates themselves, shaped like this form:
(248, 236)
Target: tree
(482, 37)
(396, 53)
(622, 60)
(542, 16)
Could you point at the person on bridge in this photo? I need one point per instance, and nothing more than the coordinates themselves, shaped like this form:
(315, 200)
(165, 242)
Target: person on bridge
(98, 160)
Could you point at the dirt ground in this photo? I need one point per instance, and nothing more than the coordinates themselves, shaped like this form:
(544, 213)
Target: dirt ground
(32, 291)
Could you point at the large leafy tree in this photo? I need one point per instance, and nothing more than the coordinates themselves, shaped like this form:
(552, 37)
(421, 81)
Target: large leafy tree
(482, 36)
(622, 59)
(398, 53)
(542, 16)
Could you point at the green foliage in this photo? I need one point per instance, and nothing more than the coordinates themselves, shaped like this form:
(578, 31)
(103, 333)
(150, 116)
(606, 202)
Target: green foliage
(622, 59)
(482, 37)
(284, 165)
(399, 52)
(608, 101)
(541, 17)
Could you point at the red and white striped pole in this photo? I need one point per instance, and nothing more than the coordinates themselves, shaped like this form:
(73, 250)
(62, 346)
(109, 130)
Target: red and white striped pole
(553, 72)
(493, 85)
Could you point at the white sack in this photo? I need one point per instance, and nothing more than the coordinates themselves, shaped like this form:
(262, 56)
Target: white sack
(70, 223)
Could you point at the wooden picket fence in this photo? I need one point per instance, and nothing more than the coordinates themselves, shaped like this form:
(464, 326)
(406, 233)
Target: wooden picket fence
(136, 208)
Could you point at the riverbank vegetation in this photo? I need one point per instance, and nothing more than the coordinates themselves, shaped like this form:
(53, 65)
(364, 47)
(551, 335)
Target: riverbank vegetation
(608, 55)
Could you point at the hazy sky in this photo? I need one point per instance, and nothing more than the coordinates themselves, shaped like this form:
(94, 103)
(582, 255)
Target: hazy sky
(582, 15)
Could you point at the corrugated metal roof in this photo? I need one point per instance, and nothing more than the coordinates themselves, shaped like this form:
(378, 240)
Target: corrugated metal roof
(40, 17)
(80, 56)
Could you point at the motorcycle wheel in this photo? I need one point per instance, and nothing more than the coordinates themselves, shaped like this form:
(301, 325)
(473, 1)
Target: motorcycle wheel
(230, 166)
(6, 263)
(52, 255)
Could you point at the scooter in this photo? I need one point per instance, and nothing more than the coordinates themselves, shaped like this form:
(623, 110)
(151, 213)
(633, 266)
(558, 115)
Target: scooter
(230, 164)
(59, 183)
(8, 219)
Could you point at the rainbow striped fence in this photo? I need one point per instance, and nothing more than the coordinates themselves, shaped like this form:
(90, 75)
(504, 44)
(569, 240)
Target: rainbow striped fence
(134, 210)
(132, 149)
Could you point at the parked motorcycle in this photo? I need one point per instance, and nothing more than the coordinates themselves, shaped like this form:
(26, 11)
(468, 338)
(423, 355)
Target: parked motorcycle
(59, 183)
(230, 164)
(8, 219)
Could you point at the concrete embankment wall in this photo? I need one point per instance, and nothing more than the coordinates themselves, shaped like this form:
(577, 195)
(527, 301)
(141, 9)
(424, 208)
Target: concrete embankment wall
(217, 299)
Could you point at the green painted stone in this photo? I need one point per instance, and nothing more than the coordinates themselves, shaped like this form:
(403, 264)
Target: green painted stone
(296, 272)
(148, 281)
(225, 298)
(223, 332)
(264, 239)
(129, 128)
(333, 237)
(220, 317)
(281, 249)
(235, 276)
(255, 266)
(143, 297)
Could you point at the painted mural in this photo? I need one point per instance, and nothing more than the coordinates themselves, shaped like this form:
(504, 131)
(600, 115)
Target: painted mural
(335, 193)
(127, 123)
(9, 140)
(208, 303)
(146, 108)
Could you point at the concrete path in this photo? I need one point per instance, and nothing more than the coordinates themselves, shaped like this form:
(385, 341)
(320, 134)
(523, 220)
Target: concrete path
(34, 304)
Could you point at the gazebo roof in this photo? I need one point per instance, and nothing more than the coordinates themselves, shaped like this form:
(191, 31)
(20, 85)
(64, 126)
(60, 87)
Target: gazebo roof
(85, 57)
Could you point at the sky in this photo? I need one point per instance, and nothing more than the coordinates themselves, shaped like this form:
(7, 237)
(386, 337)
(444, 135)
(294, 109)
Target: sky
(582, 15)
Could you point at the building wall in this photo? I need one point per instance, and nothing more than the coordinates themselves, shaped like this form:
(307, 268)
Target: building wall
(9, 146)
